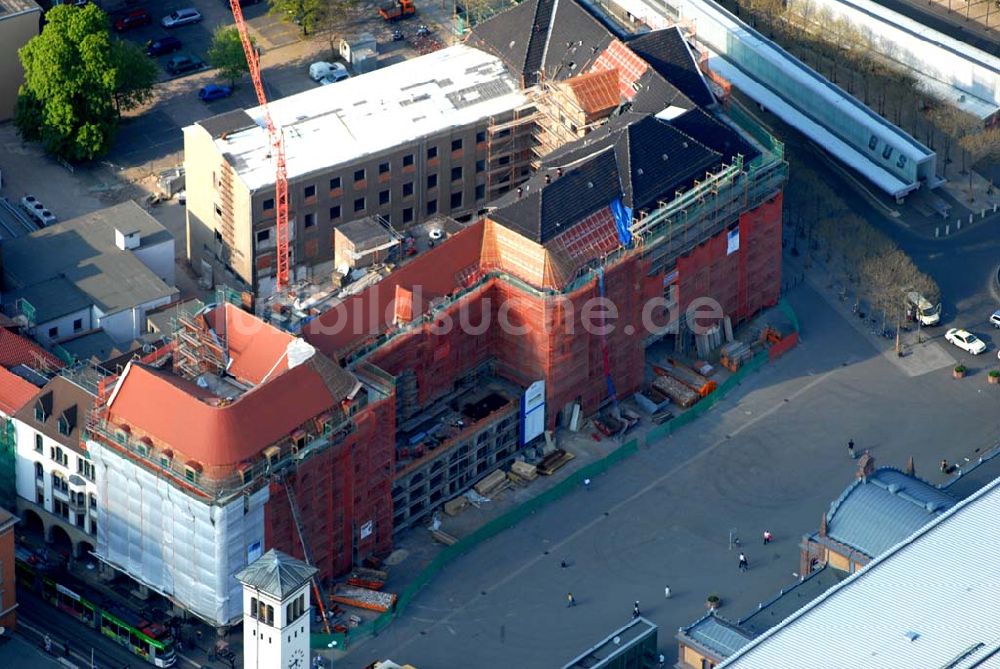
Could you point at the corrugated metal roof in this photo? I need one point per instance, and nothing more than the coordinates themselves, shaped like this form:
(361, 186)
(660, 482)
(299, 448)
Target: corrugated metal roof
(876, 513)
(717, 634)
(929, 602)
(276, 574)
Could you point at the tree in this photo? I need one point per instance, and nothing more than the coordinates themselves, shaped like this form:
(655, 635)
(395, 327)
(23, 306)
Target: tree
(135, 75)
(889, 276)
(226, 53)
(66, 101)
(977, 146)
(310, 15)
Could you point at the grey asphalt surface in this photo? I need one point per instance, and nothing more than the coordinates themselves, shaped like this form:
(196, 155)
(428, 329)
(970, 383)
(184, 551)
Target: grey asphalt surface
(772, 456)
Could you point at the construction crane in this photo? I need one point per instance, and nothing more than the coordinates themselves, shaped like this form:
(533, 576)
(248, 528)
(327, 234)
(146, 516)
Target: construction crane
(277, 150)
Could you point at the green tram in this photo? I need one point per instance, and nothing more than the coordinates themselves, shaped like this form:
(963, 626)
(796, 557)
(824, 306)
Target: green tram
(150, 641)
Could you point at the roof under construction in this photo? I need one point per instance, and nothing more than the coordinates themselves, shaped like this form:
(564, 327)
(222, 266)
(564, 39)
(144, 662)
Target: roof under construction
(330, 125)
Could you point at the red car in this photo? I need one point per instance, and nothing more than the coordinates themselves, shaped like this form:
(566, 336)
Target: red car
(134, 19)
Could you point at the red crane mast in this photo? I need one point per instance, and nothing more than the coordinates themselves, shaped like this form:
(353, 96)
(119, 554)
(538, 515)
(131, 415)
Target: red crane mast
(277, 150)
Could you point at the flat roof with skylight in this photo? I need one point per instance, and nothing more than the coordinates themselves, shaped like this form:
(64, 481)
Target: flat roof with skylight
(368, 114)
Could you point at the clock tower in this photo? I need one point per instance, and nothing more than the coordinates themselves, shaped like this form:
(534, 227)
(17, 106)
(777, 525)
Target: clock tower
(276, 612)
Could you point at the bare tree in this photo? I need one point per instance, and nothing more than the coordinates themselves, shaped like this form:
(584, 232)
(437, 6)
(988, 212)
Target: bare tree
(889, 277)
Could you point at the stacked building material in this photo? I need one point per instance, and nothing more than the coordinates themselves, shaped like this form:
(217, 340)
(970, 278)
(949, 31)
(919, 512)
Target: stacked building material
(521, 473)
(679, 393)
(734, 354)
(456, 506)
(495, 483)
(691, 378)
(553, 461)
(363, 598)
(373, 579)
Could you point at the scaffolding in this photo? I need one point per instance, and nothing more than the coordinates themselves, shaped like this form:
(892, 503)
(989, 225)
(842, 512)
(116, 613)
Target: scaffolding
(8, 464)
(510, 142)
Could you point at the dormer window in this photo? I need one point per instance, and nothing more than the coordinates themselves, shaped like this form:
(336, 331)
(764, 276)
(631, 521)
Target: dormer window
(43, 407)
(64, 426)
(39, 414)
(192, 471)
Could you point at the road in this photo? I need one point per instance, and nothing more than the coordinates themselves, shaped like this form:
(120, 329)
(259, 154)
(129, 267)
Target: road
(772, 456)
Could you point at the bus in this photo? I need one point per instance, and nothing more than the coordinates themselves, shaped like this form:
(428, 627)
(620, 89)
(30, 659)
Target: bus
(150, 641)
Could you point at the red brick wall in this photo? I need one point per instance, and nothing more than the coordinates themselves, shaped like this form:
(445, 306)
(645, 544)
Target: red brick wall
(8, 593)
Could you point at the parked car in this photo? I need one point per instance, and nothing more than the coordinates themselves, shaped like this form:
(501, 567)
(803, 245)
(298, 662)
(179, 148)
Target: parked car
(183, 63)
(214, 92)
(321, 69)
(163, 46)
(335, 76)
(133, 19)
(995, 319)
(181, 17)
(965, 340)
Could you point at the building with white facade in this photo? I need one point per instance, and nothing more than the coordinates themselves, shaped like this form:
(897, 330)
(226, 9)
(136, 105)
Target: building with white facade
(56, 479)
(104, 271)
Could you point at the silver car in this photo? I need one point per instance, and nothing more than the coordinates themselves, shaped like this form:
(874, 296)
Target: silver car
(181, 17)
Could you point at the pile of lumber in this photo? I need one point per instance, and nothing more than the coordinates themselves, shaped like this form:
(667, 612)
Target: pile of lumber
(553, 461)
(363, 598)
(691, 378)
(734, 354)
(521, 473)
(494, 483)
(678, 393)
(456, 506)
(373, 579)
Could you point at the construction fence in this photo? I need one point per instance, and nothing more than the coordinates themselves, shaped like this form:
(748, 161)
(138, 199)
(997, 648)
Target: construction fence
(572, 482)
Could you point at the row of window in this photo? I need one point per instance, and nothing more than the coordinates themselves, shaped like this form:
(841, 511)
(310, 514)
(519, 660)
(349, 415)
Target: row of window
(59, 455)
(383, 196)
(77, 327)
(61, 508)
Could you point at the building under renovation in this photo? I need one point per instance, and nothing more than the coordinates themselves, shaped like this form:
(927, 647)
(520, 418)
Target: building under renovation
(234, 439)
(647, 209)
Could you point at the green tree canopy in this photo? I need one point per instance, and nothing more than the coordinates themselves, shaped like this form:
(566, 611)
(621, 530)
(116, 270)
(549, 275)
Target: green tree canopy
(226, 53)
(310, 15)
(77, 80)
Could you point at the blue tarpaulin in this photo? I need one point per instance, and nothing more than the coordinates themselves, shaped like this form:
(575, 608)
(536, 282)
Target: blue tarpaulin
(623, 221)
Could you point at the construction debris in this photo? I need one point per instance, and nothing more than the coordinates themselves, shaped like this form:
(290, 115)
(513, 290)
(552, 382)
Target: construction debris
(363, 598)
(733, 355)
(679, 394)
(494, 483)
(691, 378)
(373, 579)
(553, 461)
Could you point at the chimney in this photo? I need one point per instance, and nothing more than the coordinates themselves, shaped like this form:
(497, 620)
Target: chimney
(548, 179)
(558, 172)
(127, 241)
(520, 191)
(910, 468)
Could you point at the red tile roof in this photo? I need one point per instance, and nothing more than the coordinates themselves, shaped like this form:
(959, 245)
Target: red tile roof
(177, 414)
(18, 350)
(625, 63)
(437, 272)
(15, 392)
(596, 92)
(254, 347)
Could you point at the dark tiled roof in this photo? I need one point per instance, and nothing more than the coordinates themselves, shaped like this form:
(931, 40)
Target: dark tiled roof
(669, 54)
(653, 94)
(544, 211)
(655, 159)
(559, 38)
(714, 134)
(276, 574)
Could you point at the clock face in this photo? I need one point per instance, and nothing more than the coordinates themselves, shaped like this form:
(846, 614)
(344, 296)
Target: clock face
(298, 660)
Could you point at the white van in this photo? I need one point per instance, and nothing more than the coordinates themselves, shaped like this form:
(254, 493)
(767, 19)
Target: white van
(922, 309)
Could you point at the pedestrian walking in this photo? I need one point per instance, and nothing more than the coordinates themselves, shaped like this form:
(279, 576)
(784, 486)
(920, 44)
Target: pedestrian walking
(666, 592)
(944, 466)
(744, 563)
(850, 449)
(635, 610)
(662, 661)
(570, 600)
(767, 537)
(563, 564)
(48, 644)
(586, 484)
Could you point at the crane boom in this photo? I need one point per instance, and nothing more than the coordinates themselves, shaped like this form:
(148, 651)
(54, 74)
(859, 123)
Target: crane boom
(277, 150)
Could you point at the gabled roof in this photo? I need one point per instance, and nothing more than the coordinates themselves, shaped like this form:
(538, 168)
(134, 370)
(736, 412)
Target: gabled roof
(670, 55)
(558, 38)
(654, 159)
(276, 574)
(875, 513)
(59, 398)
(15, 392)
(715, 134)
(254, 347)
(18, 350)
(595, 92)
(542, 210)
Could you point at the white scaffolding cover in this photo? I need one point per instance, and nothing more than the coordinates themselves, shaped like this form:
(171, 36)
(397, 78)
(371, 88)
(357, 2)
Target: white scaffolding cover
(180, 546)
